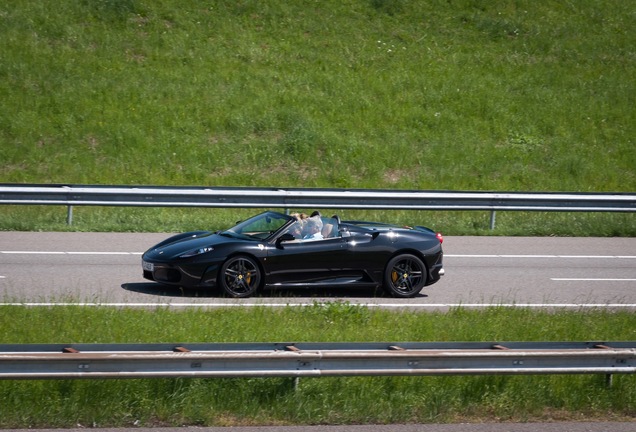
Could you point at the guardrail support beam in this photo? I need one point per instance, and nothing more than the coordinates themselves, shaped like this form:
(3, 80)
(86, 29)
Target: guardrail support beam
(370, 199)
(312, 360)
(357, 199)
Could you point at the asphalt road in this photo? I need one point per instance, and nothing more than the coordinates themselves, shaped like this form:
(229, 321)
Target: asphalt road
(105, 268)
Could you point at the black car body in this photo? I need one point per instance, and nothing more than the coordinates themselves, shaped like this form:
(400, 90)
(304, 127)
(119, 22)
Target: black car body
(261, 252)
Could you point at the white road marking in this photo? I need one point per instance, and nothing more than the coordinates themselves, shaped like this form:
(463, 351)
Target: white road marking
(104, 253)
(544, 256)
(32, 253)
(594, 279)
(445, 255)
(67, 253)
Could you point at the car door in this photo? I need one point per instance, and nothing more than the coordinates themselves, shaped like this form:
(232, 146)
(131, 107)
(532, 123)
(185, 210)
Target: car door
(304, 262)
(364, 255)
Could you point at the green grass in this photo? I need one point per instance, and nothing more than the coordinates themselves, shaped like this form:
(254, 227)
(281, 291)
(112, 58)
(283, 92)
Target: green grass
(459, 95)
(207, 402)
(53, 218)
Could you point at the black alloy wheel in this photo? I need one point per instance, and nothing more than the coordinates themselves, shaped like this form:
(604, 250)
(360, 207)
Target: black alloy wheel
(240, 276)
(405, 276)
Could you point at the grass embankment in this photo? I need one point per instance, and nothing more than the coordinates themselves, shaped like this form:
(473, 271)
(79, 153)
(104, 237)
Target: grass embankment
(462, 95)
(204, 402)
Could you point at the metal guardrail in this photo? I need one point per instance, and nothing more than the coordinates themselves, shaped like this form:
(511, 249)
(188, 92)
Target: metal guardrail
(239, 197)
(221, 360)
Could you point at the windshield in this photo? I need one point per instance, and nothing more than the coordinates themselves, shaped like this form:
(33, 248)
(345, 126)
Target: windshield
(260, 226)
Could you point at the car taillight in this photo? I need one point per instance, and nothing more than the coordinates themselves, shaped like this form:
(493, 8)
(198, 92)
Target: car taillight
(440, 237)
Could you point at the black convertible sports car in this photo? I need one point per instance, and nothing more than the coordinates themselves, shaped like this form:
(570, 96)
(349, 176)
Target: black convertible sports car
(282, 251)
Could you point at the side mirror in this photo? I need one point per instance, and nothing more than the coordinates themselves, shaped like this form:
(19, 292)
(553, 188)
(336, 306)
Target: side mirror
(284, 238)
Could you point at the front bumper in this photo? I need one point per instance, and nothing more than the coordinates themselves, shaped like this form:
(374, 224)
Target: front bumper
(189, 276)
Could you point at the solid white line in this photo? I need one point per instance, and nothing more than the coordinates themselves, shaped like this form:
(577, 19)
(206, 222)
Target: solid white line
(445, 255)
(593, 279)
(544, 256)
(67, 253)
(370, 305)
(103, 253)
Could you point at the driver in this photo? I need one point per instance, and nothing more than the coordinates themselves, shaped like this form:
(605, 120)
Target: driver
(296, 230)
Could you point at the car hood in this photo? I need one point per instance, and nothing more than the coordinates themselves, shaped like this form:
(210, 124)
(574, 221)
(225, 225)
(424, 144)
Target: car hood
(182, 243)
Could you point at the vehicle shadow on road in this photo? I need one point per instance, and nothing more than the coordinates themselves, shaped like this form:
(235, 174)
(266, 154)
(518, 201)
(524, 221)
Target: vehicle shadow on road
(156, 289)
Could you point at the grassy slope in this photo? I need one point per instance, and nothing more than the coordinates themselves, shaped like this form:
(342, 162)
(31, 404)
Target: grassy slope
(433, 95)
(479, 95)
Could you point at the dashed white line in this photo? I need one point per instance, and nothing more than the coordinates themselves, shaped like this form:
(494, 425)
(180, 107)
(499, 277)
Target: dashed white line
(593, 279)
(32, 253)
(544, 256)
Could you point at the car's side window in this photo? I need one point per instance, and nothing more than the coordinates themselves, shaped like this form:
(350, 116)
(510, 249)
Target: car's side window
(315, 228)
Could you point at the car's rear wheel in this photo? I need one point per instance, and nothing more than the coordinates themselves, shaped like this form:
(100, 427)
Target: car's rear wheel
(404, 276)
(240, 276)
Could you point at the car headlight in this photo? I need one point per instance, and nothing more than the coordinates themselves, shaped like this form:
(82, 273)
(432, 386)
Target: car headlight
(196, 252)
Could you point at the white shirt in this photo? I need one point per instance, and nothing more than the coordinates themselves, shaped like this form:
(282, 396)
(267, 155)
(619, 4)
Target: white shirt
(314, 236)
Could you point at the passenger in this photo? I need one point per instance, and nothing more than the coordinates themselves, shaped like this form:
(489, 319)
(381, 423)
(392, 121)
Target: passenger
(300, 216)
(313, 229)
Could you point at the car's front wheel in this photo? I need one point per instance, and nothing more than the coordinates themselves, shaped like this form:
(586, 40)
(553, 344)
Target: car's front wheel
(240, 276)
(404, 276)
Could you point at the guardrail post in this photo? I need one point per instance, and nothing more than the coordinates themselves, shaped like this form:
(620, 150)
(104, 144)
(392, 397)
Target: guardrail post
(69, 215)
(493, 216)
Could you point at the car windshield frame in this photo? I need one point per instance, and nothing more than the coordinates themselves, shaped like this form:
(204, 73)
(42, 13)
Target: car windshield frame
(261, 227)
